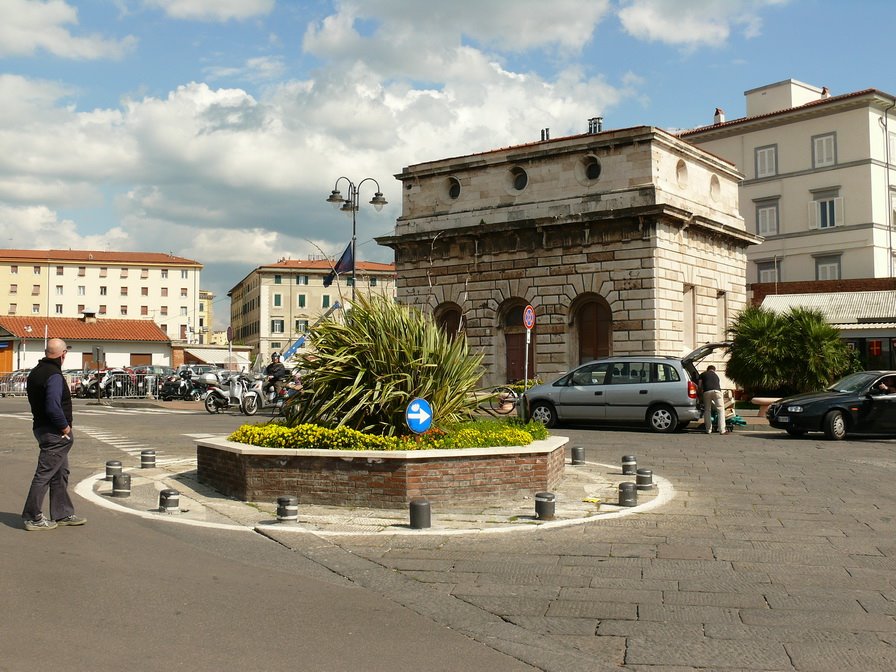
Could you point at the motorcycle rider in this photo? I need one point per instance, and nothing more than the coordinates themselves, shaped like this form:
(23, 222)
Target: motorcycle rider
(276, 373)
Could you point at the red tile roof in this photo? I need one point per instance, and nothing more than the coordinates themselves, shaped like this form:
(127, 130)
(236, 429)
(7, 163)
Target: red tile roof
(810, 104)
(76, 329)
(324, 265)
(95, 257)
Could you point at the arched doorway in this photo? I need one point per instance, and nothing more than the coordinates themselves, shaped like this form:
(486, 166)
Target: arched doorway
(515, 345)
(592, 323)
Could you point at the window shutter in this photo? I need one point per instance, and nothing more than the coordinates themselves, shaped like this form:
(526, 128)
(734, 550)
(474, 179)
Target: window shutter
(838, 211)
(813, 214)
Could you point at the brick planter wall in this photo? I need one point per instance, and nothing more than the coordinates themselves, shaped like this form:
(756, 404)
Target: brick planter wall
(378, 479)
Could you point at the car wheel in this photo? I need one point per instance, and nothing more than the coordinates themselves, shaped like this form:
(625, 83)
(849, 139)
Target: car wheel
(662, 419)
(544, 413)
(795, 431)
(835, 426)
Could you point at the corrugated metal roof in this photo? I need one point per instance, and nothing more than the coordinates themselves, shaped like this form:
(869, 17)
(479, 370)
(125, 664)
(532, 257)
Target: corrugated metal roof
(857, 309)
(219, 355)
(76, 329)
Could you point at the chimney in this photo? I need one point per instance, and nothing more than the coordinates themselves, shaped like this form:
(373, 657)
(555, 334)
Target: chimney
(825, 92)
(546, 134)
(719, 117)
(595, 125)
(88, 316)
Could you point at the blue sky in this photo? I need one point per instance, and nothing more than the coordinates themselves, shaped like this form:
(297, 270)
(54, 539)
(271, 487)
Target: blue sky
(214, 129)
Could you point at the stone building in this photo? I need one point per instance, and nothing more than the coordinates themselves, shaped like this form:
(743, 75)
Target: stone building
(624, 242)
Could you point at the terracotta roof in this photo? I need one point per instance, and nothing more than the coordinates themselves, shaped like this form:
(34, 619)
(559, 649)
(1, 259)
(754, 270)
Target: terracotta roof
(95, 257)
(788, 110)
(76, 329)
(326, 266)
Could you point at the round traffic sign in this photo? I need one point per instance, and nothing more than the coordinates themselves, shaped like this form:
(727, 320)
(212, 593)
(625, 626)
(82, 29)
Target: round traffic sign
(529, 317)
(418, 415)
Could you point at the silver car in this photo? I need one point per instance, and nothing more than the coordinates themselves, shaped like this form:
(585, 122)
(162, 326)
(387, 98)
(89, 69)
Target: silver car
(660, 391)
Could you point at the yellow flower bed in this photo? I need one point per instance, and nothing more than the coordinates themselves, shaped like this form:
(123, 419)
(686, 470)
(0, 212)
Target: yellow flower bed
(308, 436)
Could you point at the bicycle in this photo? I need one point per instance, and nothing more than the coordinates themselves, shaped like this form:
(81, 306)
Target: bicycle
(503, 400)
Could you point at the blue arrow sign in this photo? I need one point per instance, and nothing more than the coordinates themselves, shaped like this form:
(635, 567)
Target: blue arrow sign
(419, 415)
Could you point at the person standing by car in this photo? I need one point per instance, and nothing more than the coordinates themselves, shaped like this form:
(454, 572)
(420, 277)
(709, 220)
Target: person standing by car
(711, 387)
(51, 407)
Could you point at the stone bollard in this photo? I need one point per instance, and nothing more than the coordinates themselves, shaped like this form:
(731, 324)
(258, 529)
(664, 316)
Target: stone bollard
(288, 510)
(629, 465)
(169, 501)
(545, 504)
(578, 455)
(420, 514)
(121, 485)
(112, 467)
(147, 459)
(644, 479)
(628, 494)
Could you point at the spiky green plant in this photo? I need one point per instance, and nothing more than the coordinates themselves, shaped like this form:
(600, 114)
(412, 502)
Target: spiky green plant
(367, 368)
(780, 354)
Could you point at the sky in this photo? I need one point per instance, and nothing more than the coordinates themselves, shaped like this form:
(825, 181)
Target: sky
(215, 129)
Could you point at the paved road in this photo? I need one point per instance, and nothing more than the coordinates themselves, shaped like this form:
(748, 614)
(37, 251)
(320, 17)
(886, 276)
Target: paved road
(774, 554)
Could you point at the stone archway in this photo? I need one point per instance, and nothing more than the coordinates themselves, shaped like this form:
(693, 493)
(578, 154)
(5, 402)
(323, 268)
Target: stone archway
(449, 318)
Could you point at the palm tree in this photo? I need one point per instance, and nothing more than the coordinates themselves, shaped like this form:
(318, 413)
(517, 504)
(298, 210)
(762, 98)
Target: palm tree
(365, 370)
(816, 355)
(757, 354)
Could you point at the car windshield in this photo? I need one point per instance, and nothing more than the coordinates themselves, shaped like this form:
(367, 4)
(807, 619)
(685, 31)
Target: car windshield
(853, 382)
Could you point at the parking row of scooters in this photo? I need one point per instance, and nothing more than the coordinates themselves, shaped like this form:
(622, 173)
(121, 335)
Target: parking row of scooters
(242, 391)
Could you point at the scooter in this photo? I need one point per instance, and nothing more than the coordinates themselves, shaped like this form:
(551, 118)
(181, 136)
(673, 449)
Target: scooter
(262, 394)
(180, 386)
(224, 391)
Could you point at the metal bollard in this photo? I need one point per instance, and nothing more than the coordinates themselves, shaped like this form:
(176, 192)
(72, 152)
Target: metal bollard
(112, 467)
(644, 479)
(628, 494)
(169, 501)
(420, 514)
(288, 510)
(147, 459)
(121, 485)
(545, 503)
(578, 455)
(629, 465)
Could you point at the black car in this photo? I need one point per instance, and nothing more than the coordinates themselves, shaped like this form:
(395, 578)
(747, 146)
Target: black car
(860, 403)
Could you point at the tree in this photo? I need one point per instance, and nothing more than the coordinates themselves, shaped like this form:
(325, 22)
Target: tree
(365, 370)
(780, 354)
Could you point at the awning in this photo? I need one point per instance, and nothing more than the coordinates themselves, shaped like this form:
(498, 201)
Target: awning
(221, 357)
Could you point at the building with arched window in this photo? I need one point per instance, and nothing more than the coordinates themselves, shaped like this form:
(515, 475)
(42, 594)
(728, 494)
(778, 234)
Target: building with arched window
(624, 242)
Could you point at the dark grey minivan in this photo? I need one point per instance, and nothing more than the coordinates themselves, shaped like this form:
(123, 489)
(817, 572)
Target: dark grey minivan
(660, 391)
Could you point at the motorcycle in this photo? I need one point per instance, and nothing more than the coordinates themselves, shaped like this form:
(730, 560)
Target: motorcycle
(224, 391)
(263, 394)
(180, 386)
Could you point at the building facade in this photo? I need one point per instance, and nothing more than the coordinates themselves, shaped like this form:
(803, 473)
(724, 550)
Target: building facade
(205, 313)
(819, 181)
(152, 286)
(624, 242)
(276, 303)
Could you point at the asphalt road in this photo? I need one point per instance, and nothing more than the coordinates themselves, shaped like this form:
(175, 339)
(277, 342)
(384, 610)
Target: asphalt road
(774, 554)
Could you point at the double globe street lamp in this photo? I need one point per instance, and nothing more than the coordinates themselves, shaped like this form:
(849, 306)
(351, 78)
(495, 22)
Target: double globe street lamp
(349, 205)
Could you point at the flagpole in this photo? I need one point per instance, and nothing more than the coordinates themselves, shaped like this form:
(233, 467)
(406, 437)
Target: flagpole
(351, 203)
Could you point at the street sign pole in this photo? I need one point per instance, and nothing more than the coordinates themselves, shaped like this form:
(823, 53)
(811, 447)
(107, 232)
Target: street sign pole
(528, 322)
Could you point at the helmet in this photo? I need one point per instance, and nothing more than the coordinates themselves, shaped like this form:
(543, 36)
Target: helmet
(275, 355)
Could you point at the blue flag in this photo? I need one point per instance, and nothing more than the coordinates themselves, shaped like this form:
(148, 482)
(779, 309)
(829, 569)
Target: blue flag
(346, 263)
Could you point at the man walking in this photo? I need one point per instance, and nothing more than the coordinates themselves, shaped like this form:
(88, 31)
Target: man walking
(712, 396)
(51, 407)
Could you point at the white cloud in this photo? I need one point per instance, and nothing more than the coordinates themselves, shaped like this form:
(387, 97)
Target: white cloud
(38, 227)
(259, 69)
(29, 26)
(692, 23)
(213, 10)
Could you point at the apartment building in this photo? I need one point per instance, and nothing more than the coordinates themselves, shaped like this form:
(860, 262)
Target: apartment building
(205, 312)
(625, 241)
(819, 181)
(276, 303)
(123, 285)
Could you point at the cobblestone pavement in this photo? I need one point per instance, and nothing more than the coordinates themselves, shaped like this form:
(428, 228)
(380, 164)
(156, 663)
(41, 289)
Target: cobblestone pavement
(765, 553)
(774, 554)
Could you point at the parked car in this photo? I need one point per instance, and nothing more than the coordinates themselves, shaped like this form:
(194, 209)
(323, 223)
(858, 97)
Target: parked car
(860, 403)
(660, 391)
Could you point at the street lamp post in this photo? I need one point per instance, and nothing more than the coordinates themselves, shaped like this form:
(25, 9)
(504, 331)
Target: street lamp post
(349, 205)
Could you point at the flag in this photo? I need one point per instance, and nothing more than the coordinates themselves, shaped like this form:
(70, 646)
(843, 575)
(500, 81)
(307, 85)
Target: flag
(346, 263)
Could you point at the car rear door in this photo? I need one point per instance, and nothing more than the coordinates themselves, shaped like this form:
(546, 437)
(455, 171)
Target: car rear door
(584, 397)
